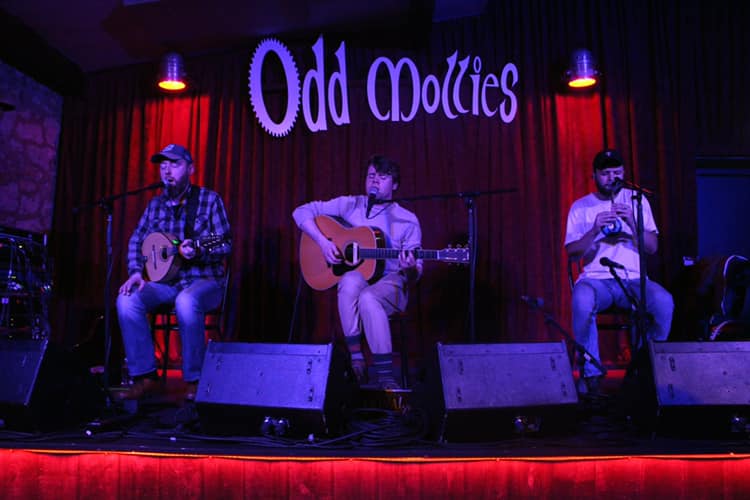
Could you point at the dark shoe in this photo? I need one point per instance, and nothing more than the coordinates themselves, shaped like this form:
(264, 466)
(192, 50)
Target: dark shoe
(140, 389)
(589, 386)
(359, 369)
(191, 389)
(388, 383)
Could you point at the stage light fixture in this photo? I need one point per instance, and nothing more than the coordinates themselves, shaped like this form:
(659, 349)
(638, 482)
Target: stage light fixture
(172, 76)
(582, 72)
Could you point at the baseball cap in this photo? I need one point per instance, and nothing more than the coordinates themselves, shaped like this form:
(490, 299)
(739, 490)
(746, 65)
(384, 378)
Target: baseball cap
(172, 152)
(608, 158)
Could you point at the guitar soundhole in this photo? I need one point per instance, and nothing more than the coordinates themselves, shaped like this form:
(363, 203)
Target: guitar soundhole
(348, 253)
(164, 253)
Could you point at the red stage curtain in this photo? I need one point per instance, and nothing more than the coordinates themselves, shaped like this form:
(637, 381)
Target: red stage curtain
(544, 154)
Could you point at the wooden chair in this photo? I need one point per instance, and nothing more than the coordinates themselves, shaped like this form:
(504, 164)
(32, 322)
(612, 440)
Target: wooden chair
(165, 319)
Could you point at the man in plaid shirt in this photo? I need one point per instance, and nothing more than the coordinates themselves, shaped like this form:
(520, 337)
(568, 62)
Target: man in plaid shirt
(196, 287)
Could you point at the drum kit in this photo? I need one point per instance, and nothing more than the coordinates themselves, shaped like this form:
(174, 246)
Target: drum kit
(25, 284)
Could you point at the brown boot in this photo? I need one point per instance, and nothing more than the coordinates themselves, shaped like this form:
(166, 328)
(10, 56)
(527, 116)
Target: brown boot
(140, 388)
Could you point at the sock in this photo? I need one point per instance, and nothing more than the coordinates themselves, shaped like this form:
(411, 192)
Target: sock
(359, 366)
(383, 364)
(355, 349)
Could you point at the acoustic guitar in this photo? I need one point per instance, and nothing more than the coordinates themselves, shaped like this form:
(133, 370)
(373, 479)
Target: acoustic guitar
(362, 249)
(163, 259)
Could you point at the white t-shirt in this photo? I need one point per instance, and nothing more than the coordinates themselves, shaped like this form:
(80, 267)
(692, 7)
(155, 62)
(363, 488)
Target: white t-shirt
(620, 249)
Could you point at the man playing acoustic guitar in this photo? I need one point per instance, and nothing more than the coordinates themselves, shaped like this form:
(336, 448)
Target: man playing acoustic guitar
(362, 303)
(181, 218)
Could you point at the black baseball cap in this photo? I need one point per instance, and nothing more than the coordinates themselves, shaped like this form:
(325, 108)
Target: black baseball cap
(608, 158)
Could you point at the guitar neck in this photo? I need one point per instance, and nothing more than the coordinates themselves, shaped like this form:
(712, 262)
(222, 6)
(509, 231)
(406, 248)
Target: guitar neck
(392, 253)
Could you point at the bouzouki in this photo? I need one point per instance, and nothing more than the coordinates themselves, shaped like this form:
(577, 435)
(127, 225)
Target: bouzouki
(163, 259)
(362, 249)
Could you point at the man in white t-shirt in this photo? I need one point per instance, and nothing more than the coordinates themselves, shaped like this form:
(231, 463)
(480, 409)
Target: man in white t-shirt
(601, 226)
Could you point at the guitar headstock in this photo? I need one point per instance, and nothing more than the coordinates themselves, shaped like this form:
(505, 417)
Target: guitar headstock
(455, 255)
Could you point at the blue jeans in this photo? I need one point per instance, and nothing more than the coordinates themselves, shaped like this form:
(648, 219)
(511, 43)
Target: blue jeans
(591, 296)
(190, 305)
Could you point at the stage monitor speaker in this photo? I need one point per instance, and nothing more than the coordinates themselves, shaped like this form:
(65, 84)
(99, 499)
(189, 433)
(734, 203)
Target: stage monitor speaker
(708, 382)
(294, 389)
(488, 391)
(42, 388)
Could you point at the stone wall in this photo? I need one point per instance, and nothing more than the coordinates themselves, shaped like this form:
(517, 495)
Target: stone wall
(29, 135)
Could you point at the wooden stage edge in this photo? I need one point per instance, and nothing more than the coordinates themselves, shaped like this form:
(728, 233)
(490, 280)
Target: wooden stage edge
(99, 474)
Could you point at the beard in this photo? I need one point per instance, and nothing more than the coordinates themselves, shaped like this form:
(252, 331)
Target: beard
(174, 191)
(609, 191)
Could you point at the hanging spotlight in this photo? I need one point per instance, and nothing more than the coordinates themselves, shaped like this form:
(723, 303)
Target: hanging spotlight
(172, 73)
(582, 72)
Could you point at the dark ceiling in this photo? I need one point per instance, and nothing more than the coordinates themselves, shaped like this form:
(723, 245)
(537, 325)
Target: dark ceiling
(87, 36)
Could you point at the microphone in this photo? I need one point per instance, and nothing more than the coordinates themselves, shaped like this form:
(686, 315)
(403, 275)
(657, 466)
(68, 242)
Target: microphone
(533, 302)
(610, 263)
(371, 199)
(107, 200)
(618, 184)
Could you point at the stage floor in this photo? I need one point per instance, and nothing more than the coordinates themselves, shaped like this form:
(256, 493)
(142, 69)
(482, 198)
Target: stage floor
(392, 425)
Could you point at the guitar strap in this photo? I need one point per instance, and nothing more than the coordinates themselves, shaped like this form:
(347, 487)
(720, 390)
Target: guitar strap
(191, 209)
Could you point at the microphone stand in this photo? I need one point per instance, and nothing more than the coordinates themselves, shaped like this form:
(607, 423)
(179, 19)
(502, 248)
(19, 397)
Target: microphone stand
(639, 306)
(634, 302)
(469, 198)
(640, 322)
(641, 310)
(105, 204)
(580, 349)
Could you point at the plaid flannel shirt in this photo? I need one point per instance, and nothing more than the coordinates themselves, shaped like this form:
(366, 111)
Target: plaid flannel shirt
(210, 219)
